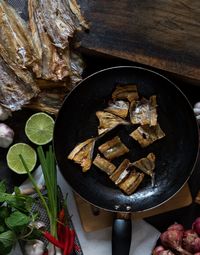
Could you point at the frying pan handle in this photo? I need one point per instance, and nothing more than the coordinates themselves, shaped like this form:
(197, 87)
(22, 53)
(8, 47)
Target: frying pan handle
(121, 234)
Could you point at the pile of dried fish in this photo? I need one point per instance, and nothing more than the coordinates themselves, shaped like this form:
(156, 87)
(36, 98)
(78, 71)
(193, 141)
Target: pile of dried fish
(39, 51)
(143, 112)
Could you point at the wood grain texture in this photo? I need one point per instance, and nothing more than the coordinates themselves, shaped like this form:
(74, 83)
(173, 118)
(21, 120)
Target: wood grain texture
(162, 33)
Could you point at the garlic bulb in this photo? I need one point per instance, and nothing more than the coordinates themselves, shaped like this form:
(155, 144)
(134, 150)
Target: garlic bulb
(6, 135)
(34, 247)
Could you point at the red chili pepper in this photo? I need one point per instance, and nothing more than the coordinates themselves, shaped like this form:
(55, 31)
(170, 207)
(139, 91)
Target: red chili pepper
(67, 239)
(61, 215)
(61, 226)
(53, 240)
(68, 249)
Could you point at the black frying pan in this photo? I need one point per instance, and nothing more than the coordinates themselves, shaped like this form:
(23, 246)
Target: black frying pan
(176, 153)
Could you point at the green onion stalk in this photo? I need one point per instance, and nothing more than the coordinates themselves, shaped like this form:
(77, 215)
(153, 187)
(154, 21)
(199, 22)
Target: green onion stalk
(48, 165)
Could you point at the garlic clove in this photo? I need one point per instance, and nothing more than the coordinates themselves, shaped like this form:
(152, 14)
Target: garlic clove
(6, 135)
(4, 113)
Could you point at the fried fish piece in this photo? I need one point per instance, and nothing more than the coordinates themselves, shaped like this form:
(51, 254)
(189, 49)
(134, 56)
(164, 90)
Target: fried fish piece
(128, 92)
(119, 108)
(108, 121)
(121, 173)
(104, 164)
(146, 135)
(147, 164)
(130, 184)
(82, 154)
(144, 111)
(113, 148)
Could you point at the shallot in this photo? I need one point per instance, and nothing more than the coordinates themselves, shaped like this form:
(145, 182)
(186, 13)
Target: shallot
(176, 226)
(191, 241)
(158, 250)
(196, 225)
(173, 239)
(6, 135)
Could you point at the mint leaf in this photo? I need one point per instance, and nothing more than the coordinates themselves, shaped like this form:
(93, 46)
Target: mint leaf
(7, 240)
(17, 221)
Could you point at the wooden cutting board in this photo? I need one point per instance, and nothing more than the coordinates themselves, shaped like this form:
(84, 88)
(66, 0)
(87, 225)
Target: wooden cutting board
(164, 34)
(93, 219)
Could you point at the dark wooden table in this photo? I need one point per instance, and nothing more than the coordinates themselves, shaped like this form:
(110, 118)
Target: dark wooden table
(164, 34)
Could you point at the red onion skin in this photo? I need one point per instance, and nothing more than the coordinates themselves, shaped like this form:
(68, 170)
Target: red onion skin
(171, 238)
(196, 225)
(176, 226)
(197, 253)
(191, 241)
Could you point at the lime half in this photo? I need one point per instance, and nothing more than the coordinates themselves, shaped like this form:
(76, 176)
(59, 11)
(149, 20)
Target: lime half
(39, 128)
(14, 161)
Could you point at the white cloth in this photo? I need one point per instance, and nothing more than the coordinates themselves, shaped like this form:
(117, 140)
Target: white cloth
(144, 236)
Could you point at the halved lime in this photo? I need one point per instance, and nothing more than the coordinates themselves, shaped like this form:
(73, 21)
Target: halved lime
(39, 128)
(14, 161)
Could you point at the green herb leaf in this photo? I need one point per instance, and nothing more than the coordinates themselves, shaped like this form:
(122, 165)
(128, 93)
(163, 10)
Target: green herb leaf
(7, 240)
(4, 212)
(2, 187)
(17, 221)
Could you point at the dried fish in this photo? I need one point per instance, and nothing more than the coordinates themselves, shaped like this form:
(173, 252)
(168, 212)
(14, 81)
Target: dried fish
(16, 45)
(121, 173)
(126, 92)
(82, 154)
(75, 8)
(144, 111)
(54, 66)
(146, 135)
(119, 108)
(147, 164)
(113, 148)
(48, 100)
(130, 184)
(104, 164)
(60, 19)
(14, 92)
(108, 121)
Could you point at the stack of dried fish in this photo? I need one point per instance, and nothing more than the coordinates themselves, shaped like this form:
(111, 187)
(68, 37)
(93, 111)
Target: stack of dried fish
(41, 50)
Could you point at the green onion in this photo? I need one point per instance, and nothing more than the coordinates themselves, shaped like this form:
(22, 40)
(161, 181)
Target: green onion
(48, 166)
